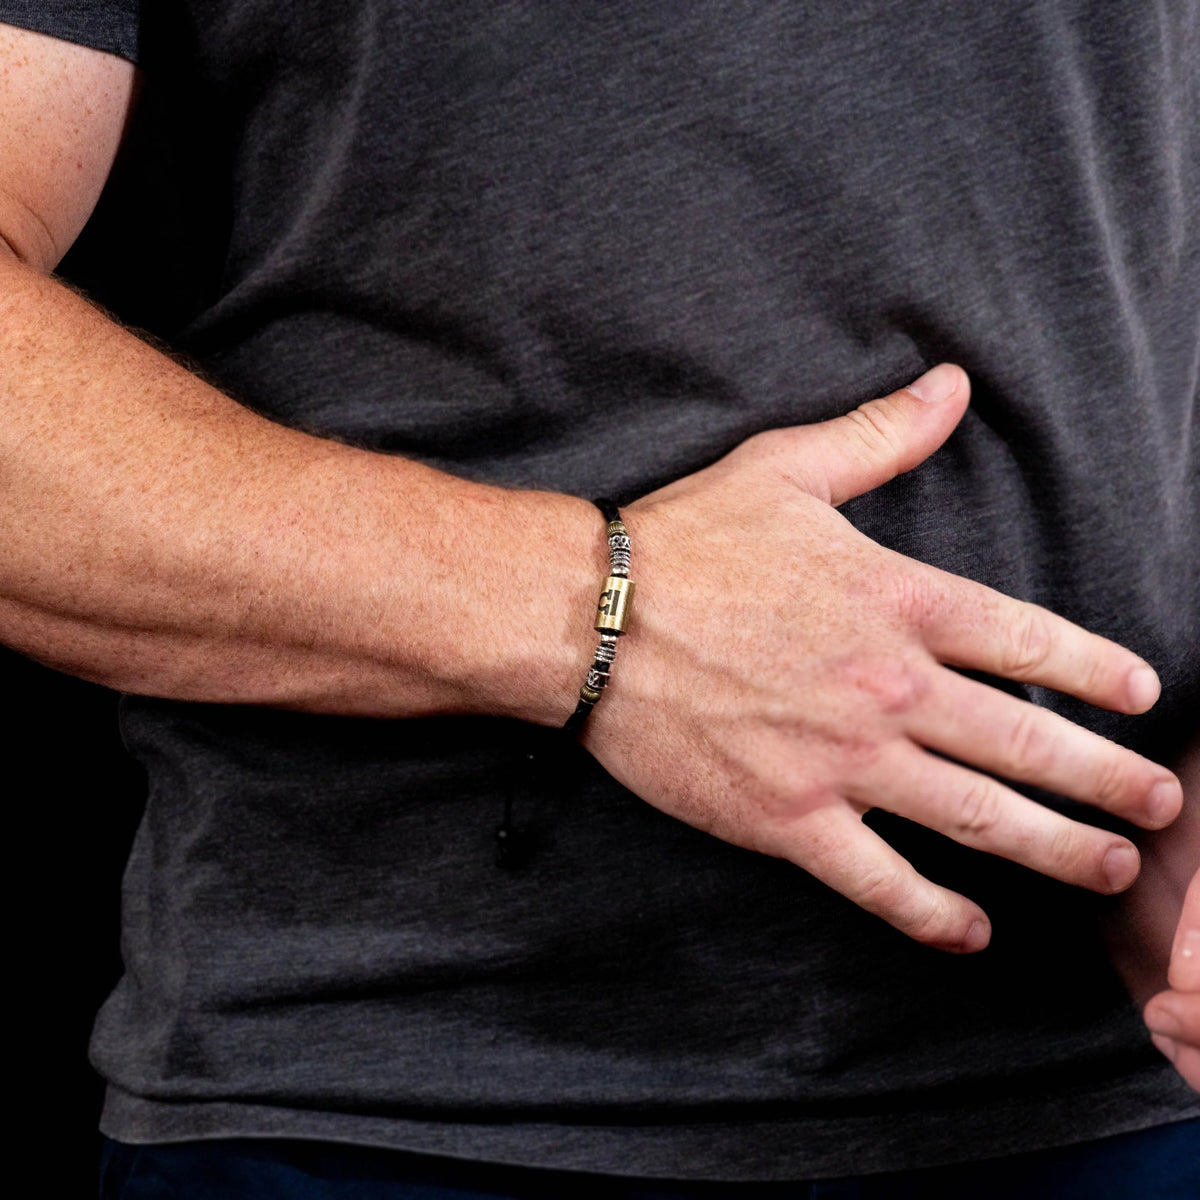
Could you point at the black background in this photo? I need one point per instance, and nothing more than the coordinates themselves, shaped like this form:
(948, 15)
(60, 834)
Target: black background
(74, 797)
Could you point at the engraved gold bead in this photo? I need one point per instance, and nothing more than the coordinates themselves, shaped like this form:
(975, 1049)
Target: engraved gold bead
(612, 610)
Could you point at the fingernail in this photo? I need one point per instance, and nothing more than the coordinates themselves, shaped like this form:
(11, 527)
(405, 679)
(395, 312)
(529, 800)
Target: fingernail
(1164, 801)
(1121, 867)
(937, 385)
(1167, 1047)
(1142, 689)
(977, 937)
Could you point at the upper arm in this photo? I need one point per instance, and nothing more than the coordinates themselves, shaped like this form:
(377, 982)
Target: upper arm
(63, 109)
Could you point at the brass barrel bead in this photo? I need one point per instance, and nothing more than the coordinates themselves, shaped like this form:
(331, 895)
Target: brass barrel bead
(612, 612)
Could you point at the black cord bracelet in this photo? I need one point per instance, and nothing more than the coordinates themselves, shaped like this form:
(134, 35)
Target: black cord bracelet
(612, 616)
(541, 764)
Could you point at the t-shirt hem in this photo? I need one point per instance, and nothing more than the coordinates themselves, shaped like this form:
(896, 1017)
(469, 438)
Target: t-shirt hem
(779, 1150)
(113, 31)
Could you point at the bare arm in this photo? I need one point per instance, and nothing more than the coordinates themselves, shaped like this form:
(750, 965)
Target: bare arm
(159, 538)
(64, 111)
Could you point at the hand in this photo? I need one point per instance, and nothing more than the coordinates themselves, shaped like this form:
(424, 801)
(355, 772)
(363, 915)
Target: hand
(1154, 933)
(785, 674)
(1163, 912)
(1173, 1016)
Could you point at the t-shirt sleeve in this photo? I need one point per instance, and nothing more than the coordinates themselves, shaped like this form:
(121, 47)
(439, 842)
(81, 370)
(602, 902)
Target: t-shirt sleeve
(109, 25)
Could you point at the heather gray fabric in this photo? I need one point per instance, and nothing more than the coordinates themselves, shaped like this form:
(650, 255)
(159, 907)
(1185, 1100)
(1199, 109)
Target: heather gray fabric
(593, 247)
(111, 26)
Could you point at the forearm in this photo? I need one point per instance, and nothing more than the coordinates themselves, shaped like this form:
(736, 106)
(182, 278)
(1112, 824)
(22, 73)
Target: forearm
(160, 538)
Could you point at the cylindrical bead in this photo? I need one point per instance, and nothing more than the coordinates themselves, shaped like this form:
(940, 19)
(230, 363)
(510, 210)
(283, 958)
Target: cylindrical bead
(612, 613)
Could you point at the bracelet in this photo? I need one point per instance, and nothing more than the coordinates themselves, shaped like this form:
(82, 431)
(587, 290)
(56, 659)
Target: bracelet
(612, 616)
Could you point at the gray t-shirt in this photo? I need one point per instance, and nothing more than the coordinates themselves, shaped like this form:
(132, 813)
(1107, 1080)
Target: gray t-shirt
(592, 248)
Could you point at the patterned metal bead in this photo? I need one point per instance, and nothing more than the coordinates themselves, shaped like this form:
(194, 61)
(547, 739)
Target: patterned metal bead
(606, 652)
(612, 614)
(618, 554)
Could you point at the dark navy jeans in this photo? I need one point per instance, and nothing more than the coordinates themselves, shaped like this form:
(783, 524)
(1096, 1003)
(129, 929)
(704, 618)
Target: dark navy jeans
(1156, 1164)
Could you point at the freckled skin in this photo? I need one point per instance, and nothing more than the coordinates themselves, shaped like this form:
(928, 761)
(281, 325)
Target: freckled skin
(40, 99)
(811, 723)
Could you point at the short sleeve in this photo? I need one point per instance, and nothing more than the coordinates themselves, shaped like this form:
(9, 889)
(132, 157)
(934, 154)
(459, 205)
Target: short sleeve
(109, 25)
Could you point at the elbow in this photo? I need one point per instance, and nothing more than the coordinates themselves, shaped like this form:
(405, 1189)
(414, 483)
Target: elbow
(25, 237)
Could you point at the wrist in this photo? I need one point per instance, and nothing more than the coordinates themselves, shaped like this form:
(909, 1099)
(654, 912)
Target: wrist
(518, 596)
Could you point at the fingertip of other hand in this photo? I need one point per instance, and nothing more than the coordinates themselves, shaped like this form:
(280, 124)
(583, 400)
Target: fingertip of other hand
(1164, 1019)
(1167, 1047)
(1184, 973)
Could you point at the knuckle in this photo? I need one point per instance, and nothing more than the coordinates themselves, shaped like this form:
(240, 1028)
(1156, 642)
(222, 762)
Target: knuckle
(778, 454)
(768, 444)
(917, 598)
(1031, 748)
(931, 922)
(788, 804)
(893, 685)
(1111, 785)
(1074, 857)
(1096, 675)
(850, 753)
(920, 912)
(874, 430)
(979, 810)
(1029, 645)
(882, 890)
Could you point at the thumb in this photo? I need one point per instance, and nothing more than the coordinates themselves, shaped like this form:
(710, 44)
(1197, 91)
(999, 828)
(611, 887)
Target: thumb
(1184, 975)
(883, 438)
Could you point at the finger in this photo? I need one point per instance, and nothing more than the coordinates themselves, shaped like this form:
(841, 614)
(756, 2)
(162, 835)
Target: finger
(990, 729)
(1184, 972)
(865, 448)
(970, 625)
(981, 813)
(1186, 1059)
(836, 847)
(1175, 1015)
